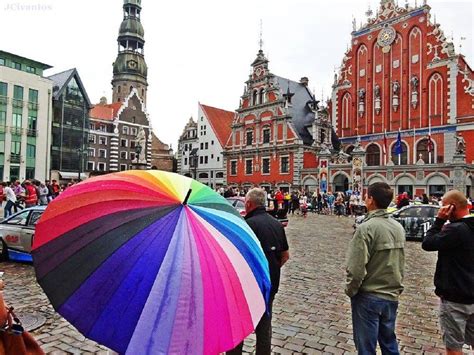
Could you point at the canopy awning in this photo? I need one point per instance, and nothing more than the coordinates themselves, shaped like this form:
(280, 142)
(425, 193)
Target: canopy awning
(72, 175)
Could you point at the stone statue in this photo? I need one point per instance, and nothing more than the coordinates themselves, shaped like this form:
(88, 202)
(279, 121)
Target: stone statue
(361, 93)
(396, 88)
(140, 144)
(414, 83)
(377, 91)
(460, 144)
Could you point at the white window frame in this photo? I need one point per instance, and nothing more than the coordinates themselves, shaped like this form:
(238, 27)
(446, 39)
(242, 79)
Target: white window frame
(269, 166)
(288, 172)
(123, 165)
(133, 156)
(94, 140)
(101, 164)
(133, 131)
(245, 167)
(124, 152)
(102, 128)
(105, 140)
(125, 130)
(236, 167)
(93, 152)
(105, 155)
(126, 142)
(93, 164)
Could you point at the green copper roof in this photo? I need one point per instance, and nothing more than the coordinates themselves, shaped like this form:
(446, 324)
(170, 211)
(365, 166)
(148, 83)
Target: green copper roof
(131, 27)
(132, 2)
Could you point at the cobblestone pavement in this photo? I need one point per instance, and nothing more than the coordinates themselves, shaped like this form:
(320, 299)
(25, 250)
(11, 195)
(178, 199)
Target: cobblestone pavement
(311, 312)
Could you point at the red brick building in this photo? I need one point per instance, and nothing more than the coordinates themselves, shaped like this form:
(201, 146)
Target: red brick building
(402, 74)
(271, 143)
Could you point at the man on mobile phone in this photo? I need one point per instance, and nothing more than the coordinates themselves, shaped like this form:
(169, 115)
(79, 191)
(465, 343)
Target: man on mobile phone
(454, 277)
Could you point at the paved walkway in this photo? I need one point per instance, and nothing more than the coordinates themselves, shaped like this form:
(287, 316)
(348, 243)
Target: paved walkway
(311, 312)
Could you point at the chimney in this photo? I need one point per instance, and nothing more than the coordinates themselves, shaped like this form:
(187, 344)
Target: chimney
(304, 81)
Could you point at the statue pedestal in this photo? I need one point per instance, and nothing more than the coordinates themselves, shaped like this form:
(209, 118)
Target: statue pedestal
(459, 158)
(139, 166)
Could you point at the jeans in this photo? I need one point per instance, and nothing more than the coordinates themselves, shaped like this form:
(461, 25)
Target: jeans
(7, 210)
(263, 333)
(373, 318)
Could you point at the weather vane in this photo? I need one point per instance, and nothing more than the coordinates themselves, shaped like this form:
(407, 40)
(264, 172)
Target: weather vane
(261, 35)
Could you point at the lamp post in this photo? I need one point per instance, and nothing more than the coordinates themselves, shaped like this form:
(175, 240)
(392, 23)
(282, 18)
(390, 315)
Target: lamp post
(80, 153)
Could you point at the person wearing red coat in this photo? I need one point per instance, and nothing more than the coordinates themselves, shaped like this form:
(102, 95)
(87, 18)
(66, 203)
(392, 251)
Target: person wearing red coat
(31, 195)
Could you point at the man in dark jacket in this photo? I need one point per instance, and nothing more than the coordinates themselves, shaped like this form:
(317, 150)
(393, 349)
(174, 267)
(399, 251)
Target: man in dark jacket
(454, 277)
(271, 235)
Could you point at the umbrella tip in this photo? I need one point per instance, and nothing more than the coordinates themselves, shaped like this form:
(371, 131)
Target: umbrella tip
(187, 197)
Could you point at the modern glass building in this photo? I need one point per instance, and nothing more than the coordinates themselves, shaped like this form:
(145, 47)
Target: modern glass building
(70, 127)
(25, 118)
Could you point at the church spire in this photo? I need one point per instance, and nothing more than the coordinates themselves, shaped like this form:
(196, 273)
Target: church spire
(130, 69)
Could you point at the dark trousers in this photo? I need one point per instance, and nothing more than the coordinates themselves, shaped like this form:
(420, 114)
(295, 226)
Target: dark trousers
(263, 333)
(373, 319)
(8, 209)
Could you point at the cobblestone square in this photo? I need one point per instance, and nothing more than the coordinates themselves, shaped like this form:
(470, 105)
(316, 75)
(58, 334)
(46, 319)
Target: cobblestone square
(311, 312)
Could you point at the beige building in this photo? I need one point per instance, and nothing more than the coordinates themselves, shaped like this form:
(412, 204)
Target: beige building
(25, 118)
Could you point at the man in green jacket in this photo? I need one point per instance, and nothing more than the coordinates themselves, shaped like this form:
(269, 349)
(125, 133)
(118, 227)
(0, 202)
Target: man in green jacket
(375, 266)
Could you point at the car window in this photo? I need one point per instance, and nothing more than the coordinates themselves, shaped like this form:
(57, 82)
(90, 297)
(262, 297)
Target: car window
(19, 219)
(34, 218)
(433, 211)
(240, 204)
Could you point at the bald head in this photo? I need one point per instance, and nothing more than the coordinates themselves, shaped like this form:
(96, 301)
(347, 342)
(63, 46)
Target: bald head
(458, 199)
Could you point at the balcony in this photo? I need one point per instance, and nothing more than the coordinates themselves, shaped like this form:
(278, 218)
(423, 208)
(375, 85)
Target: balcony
(17, 103)
(32, 132)
(34, 106)
(3, 100)
(15, 131)
(15, 158)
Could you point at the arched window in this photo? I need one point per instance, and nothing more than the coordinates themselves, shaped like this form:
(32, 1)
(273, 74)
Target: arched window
(131, 88)
(260, 96)
(403, 156)
(249, 137)
(422, 151)
(119, 89)
(266, 134)
(435, 97)
(346, 111)
(219, 175)
(254, 97)
(373, 155)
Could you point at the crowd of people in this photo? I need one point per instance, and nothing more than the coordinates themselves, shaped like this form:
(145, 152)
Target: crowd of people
(19, 195)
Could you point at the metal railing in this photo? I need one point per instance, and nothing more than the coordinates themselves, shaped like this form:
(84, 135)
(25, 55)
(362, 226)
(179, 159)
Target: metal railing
(4, 100)
(15, 158)
(33, 106)
(15, 130)
(32, 132)
(17, 103)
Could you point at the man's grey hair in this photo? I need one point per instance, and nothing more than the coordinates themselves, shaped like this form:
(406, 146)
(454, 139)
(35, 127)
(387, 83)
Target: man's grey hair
(256, 196)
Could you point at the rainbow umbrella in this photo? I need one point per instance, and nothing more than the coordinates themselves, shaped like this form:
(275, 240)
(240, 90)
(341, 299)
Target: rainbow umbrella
(149, 262)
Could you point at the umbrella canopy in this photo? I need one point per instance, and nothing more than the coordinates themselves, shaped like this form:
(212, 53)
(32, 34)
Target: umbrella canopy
(149, 262)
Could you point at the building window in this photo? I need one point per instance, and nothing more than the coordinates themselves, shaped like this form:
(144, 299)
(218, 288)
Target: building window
(206, 159)
(92, 138)
(90, 166)
(185, 161)
(33, 96)
(16, 148)
(123, 143)
(202, 146)
(254, 97)
(91, 126)
(212, 156)
(30, 151)
(248, 166)
(91, 152)
(102, 153)
(212, 142)
(284, 165)
(3, 89)
(201, 160)
(16, 120)
(31, 70)
(207, 145)
(373, 155)
(102, 128)
(403, 156)
(133, 131)
(249, 138)
(123, 155)
(265, 165)
(233, 167)
(218, 158)
(132, 144)
(132, 156)
(123, 167)
(16, 65)
(2, 61)
(423, 151)
(266, 135)
(103, 140)
(125, 130)
(101, 166)
(18, 92)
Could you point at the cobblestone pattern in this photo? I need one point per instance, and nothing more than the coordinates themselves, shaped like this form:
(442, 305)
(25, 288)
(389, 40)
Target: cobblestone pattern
(311, 313)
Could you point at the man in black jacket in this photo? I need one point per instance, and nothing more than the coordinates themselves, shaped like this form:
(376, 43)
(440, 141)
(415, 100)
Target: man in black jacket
(454, 277)
(271, 235)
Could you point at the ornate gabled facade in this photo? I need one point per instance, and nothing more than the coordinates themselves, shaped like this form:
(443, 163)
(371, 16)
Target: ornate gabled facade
(188, 146)
(401, 74)
(271, 143)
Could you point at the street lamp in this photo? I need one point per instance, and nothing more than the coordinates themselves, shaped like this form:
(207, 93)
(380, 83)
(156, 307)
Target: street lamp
(80, 153)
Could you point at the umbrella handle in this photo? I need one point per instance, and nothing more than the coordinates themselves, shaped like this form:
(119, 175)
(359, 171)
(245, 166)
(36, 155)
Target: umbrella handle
(187, 197)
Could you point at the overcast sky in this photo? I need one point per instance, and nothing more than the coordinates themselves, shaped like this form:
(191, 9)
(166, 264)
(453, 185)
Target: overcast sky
(201, 50)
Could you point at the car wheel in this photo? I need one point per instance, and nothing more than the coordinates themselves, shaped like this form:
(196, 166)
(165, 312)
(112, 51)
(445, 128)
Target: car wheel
(3, 251)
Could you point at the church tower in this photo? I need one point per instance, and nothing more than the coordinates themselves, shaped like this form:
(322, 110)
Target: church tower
(130, 69)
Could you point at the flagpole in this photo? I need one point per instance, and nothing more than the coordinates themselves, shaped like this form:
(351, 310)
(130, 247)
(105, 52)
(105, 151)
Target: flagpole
(414, 145)
(430, 144)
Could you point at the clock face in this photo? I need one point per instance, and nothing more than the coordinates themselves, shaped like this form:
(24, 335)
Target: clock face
(132, 64)
(258, 71)
(386, 36)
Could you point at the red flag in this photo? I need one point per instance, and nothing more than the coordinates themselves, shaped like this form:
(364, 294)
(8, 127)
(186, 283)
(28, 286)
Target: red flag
(430, 143)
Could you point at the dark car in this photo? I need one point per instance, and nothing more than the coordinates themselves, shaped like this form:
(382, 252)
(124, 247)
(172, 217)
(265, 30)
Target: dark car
(415, 219)
(239, 204)
(17, 232)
